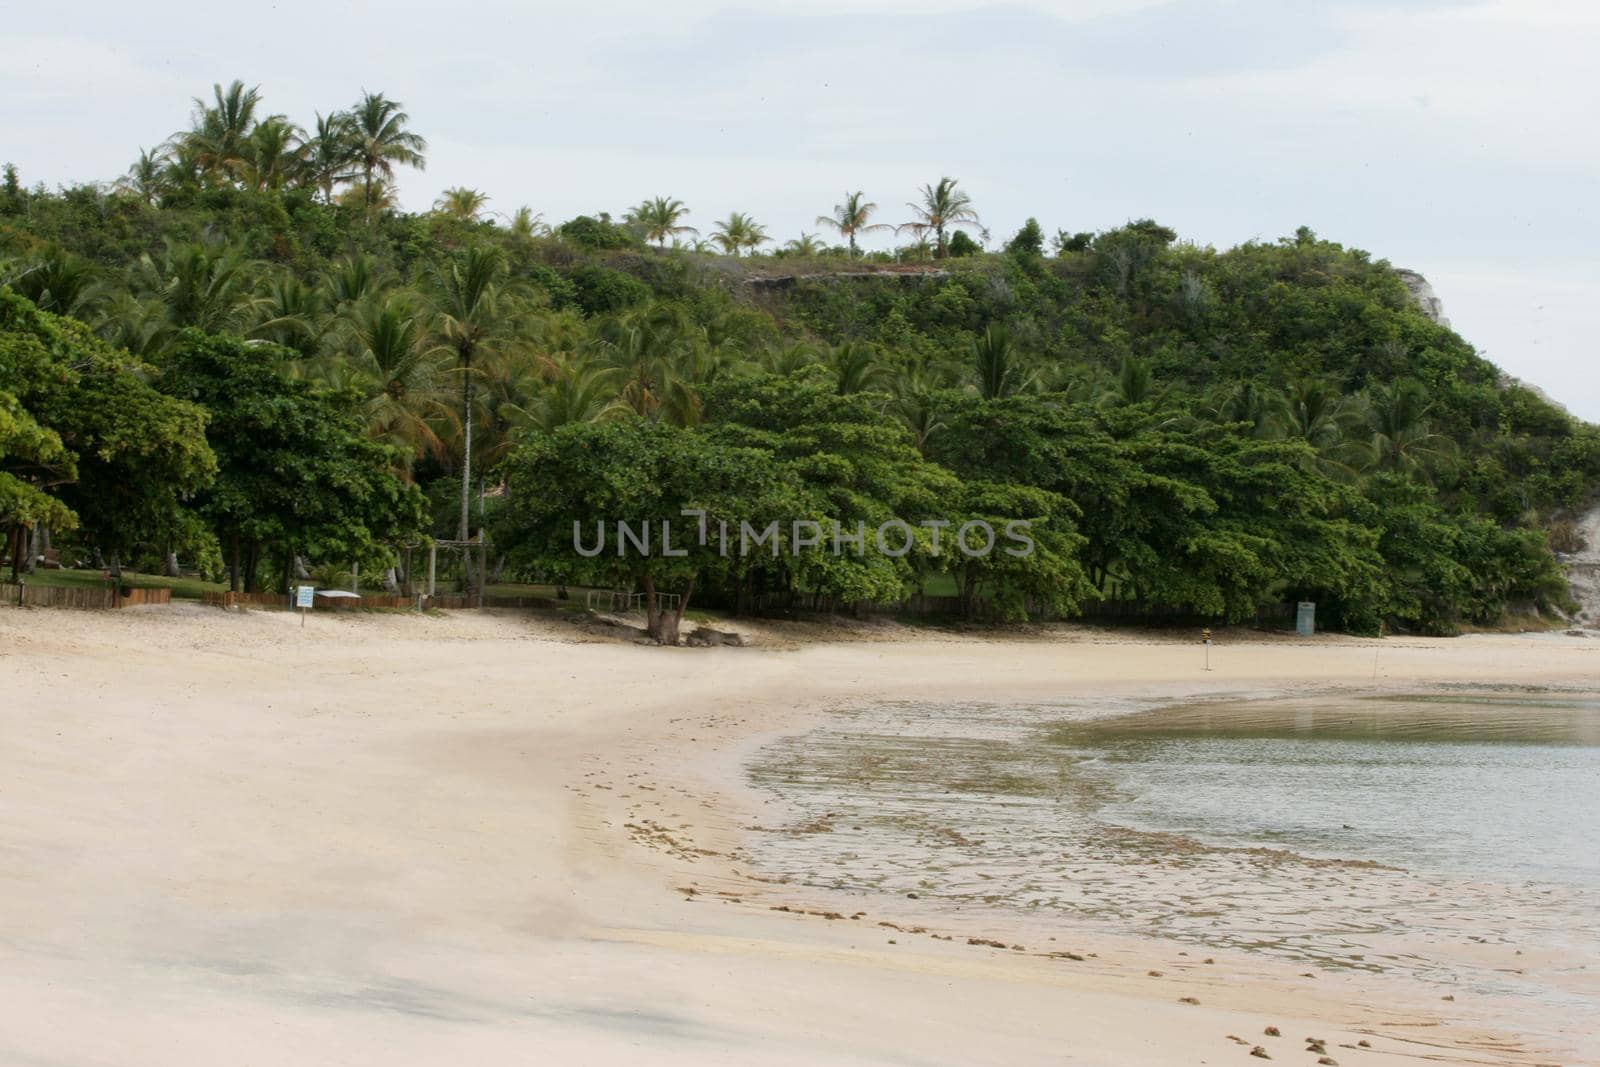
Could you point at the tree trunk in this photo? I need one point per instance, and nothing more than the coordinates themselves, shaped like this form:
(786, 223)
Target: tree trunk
(652, 609)
(33, 551)
(391, 581)
(674, 619)
(466, 447)
(235, 574)
(169, 562)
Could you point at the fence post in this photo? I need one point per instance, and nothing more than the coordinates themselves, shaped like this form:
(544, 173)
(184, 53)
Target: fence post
(433, 568)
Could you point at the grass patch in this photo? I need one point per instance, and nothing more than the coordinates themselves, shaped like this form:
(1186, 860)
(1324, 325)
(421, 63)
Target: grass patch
(182, 588)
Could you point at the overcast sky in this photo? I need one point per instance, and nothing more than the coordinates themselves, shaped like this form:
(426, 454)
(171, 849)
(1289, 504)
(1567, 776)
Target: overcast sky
(1456, 138)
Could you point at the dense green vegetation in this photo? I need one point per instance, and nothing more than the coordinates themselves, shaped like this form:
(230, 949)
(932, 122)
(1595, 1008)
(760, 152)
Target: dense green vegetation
(242, 355)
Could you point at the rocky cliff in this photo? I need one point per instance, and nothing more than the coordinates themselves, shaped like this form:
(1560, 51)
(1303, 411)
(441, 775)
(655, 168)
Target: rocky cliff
(1424, 295)
(1583, 571)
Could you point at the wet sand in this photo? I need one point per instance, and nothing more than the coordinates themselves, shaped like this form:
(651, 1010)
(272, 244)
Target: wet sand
(489, 839)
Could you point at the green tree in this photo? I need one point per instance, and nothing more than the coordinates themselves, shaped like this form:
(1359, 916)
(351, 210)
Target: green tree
(941, 207)
(381, 143)
(470, 322)
(739, 233)
(852, 218)
(661, 217)
(461, 203)
(297, 473)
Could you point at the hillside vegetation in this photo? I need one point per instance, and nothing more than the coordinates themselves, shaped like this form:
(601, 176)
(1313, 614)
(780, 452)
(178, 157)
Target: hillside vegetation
(241, 356)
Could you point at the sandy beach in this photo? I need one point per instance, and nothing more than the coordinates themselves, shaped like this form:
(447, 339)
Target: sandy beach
(495, 838)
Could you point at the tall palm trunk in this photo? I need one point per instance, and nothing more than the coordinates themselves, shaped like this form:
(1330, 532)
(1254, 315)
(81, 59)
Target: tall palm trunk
(462, 532)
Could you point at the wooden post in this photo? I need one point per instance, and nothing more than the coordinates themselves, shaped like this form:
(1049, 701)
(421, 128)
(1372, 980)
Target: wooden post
(483, 565)
(433, 568)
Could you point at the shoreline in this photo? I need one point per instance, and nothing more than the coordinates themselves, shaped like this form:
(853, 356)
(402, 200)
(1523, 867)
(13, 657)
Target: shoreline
(527, 840)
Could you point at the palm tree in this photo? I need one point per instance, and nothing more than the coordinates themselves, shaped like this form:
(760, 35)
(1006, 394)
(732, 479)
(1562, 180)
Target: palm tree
(57, 281)
(352, 278)
(805, 245)
(330, 153)
(221, 128)
(645, 349)
(211, 290)
(382, 142)
(997, 365)
(942, 206)
(1318, 414)
(573, 392)
(467, 302)
(1259, 407)
(855, 365)
(274, 154)
(660, 218)
(853, 217)
(398, 368)
(738, 233)
(462, 203)
(1403, 439)
(525, 222)
(146, 179)
(292, 314)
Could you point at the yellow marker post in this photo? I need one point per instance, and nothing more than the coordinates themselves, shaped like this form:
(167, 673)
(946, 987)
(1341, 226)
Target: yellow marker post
(1205, 636)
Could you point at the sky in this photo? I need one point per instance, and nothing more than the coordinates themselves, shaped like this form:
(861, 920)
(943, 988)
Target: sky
(1454, 137)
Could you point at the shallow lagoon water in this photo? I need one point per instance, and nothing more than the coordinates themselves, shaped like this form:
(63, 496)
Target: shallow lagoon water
(1501, 788)
(1430, 837)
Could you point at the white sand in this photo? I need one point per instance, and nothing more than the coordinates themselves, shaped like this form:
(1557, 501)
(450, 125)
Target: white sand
(465, 840)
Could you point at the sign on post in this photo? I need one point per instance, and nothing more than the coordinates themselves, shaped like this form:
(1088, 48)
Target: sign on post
(305, 597)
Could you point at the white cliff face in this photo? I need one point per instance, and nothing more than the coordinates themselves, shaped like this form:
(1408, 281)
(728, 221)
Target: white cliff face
(1424, 295)
(1583, 571)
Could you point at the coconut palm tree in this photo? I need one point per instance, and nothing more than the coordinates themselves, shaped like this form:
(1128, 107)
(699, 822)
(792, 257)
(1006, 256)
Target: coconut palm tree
(573, 391)
(330, 155)
(1318, 414)
(853, 217)
(660, 217)
(462, 203)
(1403, 438)
(146, 179)
(469, 319)
(525, 222)
(645, 348)
(211, 289)
(805, 245)
(381, 143)
(942, 206)
(1262, 408)
(220, 129)
(399, 370)
(739, 233)
(274, 154)
(856, 367)
(998, 366)
(57, 281)
(352, 278)
(292, 314)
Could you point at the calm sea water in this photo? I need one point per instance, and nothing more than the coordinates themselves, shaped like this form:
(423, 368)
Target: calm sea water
(1498, 788)
(1450, 839)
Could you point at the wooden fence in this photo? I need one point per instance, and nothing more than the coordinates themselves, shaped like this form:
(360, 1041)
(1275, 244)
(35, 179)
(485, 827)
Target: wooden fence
(379, 602)
(88, 597)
